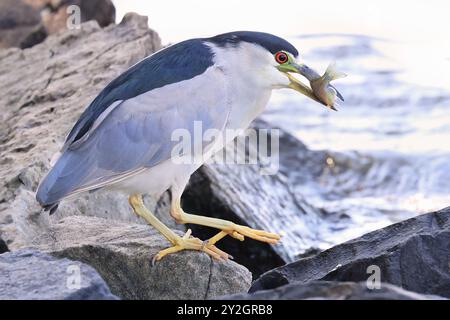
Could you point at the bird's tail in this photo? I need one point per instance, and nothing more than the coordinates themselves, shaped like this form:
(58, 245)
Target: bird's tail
(63, 178)
(42, 196)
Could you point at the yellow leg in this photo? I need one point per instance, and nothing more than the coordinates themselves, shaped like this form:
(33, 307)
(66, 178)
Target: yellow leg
(227, 227)
(179, 243)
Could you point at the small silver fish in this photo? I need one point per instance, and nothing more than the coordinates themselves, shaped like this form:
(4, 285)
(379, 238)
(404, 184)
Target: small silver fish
(322, 88)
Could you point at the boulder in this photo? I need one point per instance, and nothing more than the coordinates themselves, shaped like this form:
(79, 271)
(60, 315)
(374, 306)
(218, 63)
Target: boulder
(122, 254)
(413, 254)
(32, 275)
(44, 90)
(55, 12)
(333, 290)
(20, 25)
(25, 23)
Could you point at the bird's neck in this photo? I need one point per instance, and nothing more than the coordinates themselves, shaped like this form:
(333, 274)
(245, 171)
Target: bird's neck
(246, 104)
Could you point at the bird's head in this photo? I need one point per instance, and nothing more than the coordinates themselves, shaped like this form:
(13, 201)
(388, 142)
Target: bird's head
(263, 59)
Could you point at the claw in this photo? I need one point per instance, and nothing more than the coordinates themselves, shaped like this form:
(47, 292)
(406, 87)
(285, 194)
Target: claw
(185, 243)
(187, 234)
(237, 235)
(259, 235)
(154, 259)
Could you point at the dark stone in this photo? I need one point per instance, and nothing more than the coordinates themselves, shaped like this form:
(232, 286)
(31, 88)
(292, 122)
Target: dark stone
(3, 246)
(14, 14)
(413, 254)
(24, 23)
(102, 11)
(55, 18)
(34, 37)
(332, 290)
(30, 274)
(20, 24)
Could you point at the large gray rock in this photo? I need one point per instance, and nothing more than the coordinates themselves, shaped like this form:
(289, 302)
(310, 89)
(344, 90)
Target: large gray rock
(122, 254)
(44, 89)
(413, 254)
(333, 290)
(32, 275)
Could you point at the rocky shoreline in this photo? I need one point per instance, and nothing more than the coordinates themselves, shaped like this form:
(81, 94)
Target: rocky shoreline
(46, 87)
(413, 254)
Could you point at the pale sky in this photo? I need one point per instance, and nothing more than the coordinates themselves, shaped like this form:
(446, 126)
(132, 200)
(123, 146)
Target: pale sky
(416, 21)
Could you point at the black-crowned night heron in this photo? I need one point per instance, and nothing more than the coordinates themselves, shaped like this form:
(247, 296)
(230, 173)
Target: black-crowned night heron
(122, 141)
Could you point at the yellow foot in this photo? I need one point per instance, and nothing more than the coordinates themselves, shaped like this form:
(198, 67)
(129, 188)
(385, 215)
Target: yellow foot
(190, 243)
(240, 232)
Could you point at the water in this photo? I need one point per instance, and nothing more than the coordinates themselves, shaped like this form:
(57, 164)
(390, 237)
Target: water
(391, 136)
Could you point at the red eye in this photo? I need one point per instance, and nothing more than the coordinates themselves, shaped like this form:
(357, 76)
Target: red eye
(281, 57)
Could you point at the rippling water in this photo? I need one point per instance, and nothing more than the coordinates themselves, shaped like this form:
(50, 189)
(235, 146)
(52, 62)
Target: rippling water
(391, 136)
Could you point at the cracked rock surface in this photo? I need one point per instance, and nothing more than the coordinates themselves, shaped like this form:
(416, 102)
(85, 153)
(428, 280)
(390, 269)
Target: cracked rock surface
(44, 90)
(122, 254)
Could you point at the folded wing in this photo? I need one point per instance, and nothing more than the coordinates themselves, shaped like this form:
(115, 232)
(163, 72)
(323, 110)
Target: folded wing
(137, 134)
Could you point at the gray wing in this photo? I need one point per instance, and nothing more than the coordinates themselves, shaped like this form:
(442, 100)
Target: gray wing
(137, 134)
(181, 61)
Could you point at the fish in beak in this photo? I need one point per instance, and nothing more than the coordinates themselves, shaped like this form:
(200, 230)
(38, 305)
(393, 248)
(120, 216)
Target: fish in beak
(321, 90)
(324, 90)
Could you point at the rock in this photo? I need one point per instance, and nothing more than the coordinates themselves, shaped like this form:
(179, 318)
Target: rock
(3, 246)
(333, 290)
(413, 254)
(242, 194)
(55, 13)
(20, 25)
(25, 23)
(44, 90)
(32, 275)
(122, 253)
